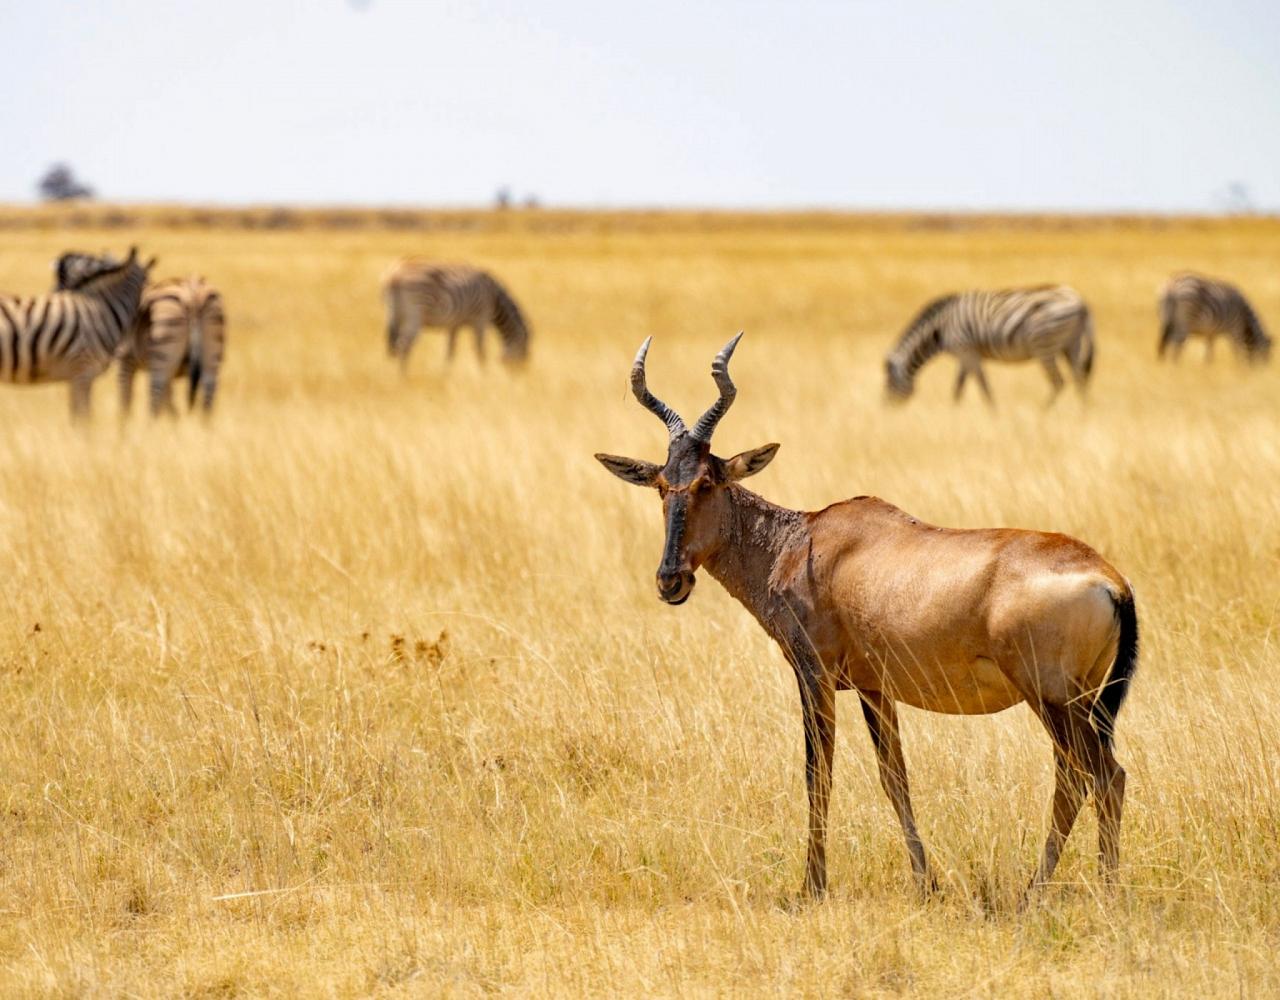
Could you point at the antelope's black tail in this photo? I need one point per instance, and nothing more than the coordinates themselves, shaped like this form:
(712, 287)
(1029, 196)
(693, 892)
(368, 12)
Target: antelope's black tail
(1111, 697)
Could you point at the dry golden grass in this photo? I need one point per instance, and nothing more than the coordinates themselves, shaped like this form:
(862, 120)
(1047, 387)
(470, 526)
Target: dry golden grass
(364, 690)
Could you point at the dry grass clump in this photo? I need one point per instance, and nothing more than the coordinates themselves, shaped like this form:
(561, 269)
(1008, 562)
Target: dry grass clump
(364, 688)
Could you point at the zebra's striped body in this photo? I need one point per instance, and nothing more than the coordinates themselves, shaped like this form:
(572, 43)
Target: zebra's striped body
(181, 330)
(419, 293)
(71, 335)
(1029, 324)
(1194, 305)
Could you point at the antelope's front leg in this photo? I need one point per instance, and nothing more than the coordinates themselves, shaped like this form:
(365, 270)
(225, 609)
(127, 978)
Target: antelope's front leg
(818, 710)
(882, 722)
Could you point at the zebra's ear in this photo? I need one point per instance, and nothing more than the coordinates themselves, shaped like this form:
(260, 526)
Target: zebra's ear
(150, 264)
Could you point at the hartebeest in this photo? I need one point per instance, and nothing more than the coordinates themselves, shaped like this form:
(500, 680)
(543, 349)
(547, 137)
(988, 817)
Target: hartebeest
(861, 595)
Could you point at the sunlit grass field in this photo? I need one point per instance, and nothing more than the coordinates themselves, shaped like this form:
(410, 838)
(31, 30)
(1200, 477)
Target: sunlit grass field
(364, 688)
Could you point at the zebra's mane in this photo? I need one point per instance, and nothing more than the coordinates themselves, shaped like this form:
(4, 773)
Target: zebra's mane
(74, 269)
(99, 280)
(919, 342)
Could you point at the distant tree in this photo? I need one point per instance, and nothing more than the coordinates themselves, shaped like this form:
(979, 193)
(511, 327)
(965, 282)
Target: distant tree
(531, 201)
(502, 198)
(59, 183)
(1237, 199)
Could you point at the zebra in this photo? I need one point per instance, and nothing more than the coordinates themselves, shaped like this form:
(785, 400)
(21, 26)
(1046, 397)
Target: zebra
(71, 335)
(1195, 304)
(1008, 325)
(180, 330)
(418, 293)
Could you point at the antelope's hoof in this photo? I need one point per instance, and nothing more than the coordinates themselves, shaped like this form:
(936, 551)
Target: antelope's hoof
(798, 902)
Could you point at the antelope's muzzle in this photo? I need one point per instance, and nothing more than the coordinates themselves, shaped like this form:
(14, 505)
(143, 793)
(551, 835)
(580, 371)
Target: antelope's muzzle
(675, 588)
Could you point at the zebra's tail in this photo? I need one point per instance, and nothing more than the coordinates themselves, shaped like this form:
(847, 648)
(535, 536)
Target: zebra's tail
(1111, 697)
(1079, 351)
(391, 300)
(1085, 350)
(195, 362)
(1168, 329)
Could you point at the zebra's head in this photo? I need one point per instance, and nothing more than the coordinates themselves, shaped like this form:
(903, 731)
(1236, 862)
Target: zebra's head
(693, 483)
(918, 343)
(74, 269)
(1257, 344)
(898, 381)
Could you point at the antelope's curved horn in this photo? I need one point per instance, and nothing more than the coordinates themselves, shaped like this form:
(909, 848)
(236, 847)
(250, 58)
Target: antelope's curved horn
(706, 425)
(675, 426)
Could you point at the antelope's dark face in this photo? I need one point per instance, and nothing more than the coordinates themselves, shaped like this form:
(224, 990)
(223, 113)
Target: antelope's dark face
(692, 483)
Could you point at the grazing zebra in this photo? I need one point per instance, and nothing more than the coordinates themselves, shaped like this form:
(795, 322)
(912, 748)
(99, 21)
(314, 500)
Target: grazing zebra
(1010, 325)
(181, 330)
(1193, 304)
(419, 293)
(71, 335)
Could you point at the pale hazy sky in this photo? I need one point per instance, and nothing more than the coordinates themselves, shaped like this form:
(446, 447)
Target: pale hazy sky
(864, 104)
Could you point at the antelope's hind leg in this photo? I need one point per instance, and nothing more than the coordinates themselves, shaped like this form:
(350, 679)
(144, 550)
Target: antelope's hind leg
(882, 723)
(1074, 736)
(1069, 791)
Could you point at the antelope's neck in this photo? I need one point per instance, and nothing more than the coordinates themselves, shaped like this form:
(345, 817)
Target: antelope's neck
(756, 534)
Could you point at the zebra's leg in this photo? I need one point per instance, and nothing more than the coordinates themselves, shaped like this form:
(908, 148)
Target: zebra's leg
(80, 386)
(451, 343)
(478, 331)
(208, 388)
(161, 383)
(982, 383)
(1079, 375)
(1055, 378)
(406, 335)
(128, 369)
(960, 377)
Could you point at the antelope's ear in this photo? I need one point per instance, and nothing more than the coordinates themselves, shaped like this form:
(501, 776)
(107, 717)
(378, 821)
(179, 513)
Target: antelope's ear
(631, 470)
(748, 463)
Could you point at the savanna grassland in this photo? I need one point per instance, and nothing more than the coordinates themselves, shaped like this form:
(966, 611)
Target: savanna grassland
(364, 689)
